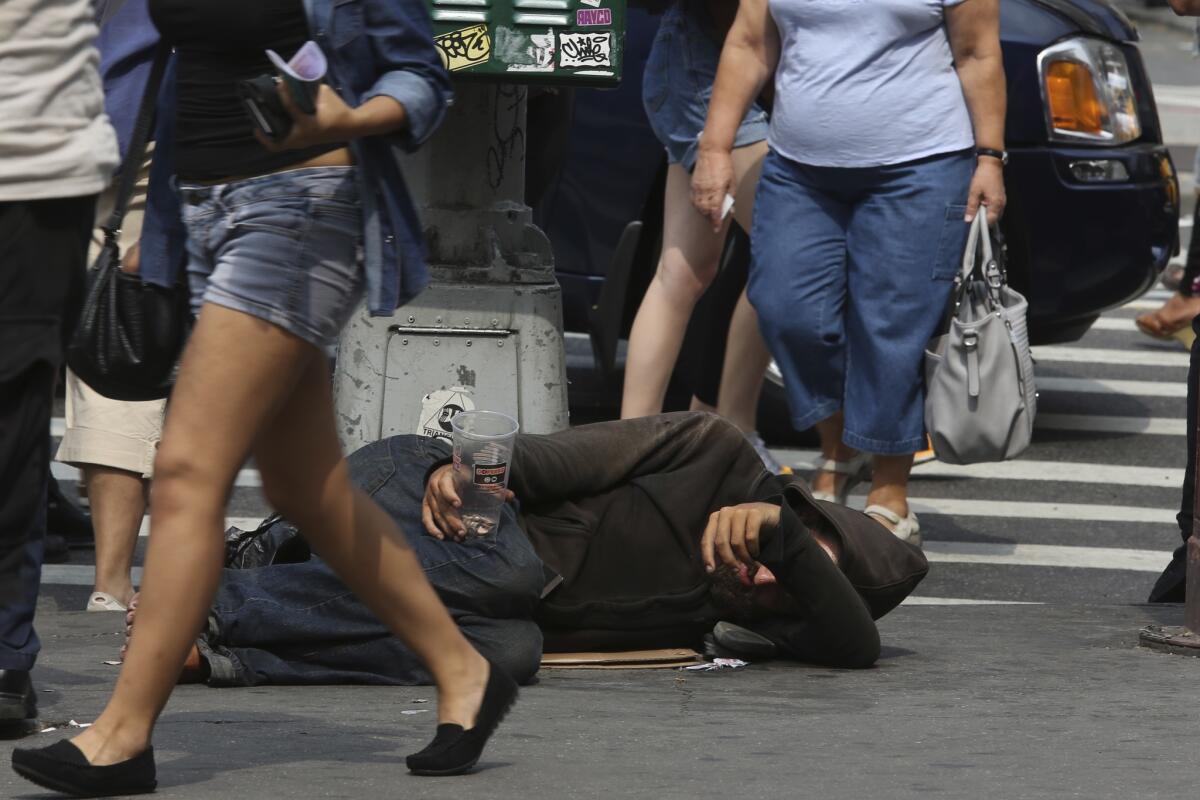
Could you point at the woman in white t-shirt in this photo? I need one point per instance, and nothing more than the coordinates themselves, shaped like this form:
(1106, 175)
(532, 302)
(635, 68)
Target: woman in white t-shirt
(886, 137)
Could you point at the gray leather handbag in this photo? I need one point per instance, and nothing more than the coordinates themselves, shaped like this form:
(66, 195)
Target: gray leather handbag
(980, 395)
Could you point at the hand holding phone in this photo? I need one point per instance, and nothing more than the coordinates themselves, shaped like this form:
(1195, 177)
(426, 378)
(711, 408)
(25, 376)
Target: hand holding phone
(260, 98)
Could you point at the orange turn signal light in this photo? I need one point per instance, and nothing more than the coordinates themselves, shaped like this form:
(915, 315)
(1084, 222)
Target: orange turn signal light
(1167, 170)
(1071, 95)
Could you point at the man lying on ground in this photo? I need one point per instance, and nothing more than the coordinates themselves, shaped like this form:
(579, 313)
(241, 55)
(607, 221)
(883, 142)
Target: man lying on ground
(623, 535)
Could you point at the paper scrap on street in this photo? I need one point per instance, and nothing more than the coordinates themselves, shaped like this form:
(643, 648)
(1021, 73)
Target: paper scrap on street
(411, 711)
(718, 663)
(71, 724)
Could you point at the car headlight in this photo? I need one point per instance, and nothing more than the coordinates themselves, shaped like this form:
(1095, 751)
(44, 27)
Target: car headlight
(1088, 92)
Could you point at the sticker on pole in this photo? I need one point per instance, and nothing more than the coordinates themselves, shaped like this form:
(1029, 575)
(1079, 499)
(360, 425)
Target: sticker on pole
(438, 408)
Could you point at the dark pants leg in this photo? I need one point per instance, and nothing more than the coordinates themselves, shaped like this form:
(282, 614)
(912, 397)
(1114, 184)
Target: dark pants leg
(298, 624)
(43, 247)
(1170, 586)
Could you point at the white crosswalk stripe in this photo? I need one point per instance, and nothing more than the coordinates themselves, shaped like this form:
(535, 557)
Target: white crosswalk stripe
(1103, 355)
(1024, 470)
(1154, 426)
(1106, 386)
(1044, 555)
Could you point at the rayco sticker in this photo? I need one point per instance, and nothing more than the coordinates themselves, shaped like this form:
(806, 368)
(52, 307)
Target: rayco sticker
(593, 17)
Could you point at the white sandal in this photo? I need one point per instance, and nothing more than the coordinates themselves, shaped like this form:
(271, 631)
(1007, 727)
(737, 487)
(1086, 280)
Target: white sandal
(907, 529)
(103, 601)
(854, 471)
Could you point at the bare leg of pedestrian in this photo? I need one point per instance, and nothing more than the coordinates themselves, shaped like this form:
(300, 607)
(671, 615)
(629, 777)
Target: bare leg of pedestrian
(118, 503)
(272, 399)
(687, 265)
(746, 361)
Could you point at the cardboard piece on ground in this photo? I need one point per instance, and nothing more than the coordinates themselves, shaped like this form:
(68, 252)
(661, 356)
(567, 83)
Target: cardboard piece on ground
(667, 658)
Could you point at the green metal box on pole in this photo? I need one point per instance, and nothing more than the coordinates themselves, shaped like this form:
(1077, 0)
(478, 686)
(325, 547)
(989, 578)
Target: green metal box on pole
(559, 42)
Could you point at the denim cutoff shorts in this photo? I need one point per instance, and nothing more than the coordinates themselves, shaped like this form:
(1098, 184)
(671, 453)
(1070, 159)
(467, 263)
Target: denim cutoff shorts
(851, 272)
(677, 86)
(284, 247)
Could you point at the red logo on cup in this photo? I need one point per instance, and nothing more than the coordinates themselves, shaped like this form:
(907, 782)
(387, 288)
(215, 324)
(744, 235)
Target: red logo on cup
(490, 474)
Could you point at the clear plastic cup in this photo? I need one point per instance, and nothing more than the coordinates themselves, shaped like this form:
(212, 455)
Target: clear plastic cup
(483, 445)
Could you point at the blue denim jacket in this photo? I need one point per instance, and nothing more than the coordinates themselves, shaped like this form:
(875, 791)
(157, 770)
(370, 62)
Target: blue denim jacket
(126, 43)
(374, 47)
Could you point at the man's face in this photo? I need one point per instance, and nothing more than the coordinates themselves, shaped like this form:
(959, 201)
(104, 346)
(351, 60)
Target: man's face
(748, 592)
(765, 592)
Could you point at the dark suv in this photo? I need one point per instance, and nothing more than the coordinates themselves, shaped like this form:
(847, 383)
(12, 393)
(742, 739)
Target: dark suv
(1093, 198)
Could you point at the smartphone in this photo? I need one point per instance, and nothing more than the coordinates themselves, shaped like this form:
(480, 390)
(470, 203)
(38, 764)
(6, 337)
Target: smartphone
(260, 98)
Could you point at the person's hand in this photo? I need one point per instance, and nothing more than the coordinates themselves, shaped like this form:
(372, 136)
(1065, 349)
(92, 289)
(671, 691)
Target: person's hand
(987, 188)
(712, 179)
(732, 533)
(440, 506)
(333, 122)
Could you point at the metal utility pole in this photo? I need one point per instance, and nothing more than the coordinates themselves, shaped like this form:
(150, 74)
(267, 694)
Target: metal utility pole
(491, 322)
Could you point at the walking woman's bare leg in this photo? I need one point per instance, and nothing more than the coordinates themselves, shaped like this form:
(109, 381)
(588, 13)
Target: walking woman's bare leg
(306, 478)
(235, 374)
(686, 267)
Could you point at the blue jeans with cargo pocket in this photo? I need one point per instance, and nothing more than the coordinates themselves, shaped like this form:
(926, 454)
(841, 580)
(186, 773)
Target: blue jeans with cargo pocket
(851, 271)
(299, 624)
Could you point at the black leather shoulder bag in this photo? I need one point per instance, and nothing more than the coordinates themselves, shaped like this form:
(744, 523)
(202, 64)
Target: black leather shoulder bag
(129, 337)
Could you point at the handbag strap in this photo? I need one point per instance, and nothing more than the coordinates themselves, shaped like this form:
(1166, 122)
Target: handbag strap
(136, 153)
(980, 256)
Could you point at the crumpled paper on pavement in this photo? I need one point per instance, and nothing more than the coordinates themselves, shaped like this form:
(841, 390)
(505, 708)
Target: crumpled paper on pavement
(718, 663)
(71, 724)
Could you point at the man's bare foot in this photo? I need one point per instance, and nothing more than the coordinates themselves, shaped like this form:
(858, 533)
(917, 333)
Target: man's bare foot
(195, 669)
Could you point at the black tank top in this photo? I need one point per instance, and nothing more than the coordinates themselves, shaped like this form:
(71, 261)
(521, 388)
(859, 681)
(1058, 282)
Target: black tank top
(217, 44)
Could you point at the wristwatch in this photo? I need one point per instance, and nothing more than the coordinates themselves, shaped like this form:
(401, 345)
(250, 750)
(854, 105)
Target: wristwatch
(988, 151)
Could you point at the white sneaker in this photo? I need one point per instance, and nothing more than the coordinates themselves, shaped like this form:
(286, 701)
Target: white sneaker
(760, 447)
(103, 601)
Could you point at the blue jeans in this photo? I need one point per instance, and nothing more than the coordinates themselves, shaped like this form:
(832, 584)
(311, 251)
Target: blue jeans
(851, 273)
(299, 624)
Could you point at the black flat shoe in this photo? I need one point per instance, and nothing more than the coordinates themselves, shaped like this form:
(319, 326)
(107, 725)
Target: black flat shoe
(18, 703)
(62, 767)
(453, 750)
